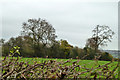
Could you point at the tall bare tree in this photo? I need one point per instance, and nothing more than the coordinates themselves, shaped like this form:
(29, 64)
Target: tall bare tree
(40, 31)
(101, 35)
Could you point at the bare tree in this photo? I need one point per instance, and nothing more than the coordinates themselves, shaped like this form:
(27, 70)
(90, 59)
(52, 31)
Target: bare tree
(101, 35)
(40, 31)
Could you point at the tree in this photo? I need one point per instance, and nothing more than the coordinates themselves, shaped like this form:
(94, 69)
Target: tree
(54, 50)
(101, 35)
(89, 53)
(40, 31)
(2, 41)
(65, 47)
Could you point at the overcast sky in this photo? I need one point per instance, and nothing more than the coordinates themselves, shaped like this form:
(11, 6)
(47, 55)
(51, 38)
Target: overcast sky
(73, 20)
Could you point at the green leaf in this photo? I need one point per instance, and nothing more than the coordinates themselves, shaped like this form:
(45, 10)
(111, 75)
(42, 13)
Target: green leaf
(11, 51)
(15, 47)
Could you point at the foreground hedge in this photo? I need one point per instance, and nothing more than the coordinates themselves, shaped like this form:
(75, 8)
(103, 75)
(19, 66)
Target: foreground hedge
(14, 68)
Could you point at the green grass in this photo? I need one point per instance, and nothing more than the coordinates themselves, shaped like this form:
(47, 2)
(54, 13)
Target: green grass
(89, 63)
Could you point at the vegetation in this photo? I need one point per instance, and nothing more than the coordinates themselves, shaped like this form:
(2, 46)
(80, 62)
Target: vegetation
(38, 41)
(37, 68)
(101, 35)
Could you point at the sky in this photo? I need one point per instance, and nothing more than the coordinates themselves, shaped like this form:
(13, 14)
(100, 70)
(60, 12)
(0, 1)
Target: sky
(73, 20)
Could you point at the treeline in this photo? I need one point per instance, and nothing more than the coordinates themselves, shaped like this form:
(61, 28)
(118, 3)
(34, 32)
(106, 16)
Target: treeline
(60, 49)
(38, 39)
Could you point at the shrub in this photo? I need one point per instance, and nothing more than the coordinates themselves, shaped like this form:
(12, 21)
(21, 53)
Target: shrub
(106, 56)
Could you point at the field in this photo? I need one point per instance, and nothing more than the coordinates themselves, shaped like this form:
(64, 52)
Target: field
(76, 67)
(89, 63)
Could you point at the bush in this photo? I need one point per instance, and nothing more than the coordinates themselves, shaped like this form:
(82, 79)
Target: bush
(106, 56)
(116, 59)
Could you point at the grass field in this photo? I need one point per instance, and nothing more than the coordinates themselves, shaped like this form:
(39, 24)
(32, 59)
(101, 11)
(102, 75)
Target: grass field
(88, 63)
(81, 62)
